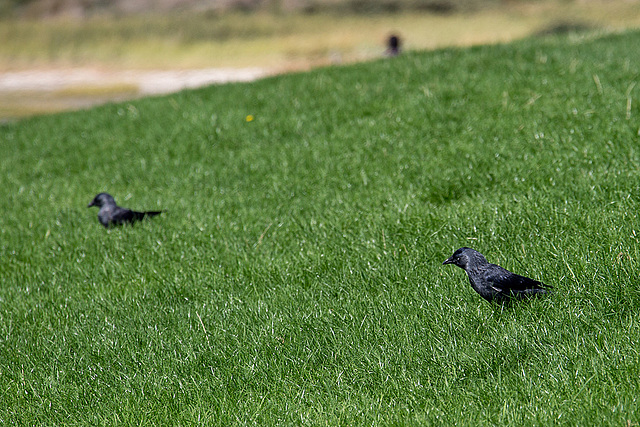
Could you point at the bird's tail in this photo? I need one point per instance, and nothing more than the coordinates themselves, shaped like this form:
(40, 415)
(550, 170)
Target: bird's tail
(139, 216)
(541, 289)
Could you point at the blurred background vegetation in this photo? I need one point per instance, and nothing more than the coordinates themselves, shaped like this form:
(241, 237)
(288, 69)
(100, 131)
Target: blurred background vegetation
(40, 8)
(273, 36)
(278, 34)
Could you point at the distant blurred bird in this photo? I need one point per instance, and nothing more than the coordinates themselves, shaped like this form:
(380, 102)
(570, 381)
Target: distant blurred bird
(112, 214)
(393, 45)
(493, 282)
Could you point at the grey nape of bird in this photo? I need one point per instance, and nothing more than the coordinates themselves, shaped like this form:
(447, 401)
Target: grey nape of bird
(493, 282)
(112, 214)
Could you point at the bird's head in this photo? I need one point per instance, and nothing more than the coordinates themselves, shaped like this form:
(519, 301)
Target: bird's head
(463, 257)
(101, 200)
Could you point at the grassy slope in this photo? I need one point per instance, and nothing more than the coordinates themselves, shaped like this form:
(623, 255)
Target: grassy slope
(296, 277)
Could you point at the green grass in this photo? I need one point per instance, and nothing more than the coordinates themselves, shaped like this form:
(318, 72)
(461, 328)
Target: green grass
(296, 277)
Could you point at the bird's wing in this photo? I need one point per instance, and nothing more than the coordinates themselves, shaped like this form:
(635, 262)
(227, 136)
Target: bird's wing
(503, 280)
(121, 215)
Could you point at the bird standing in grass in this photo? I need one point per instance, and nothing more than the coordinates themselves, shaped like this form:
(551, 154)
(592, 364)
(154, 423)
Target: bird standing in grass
(112, 214)
(493, 282)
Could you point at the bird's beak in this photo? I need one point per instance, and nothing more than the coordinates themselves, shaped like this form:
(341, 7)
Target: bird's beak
(91, 204)
(448, 261)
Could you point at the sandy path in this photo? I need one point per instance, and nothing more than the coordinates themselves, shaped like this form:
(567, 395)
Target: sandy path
(148, 82)
(29, 92)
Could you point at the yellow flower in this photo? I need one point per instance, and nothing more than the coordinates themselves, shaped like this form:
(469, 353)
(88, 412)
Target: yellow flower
(249, 118)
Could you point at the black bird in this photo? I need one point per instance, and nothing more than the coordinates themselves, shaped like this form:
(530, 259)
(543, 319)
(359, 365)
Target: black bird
(493, 282)
(112, 214)
(393, 45)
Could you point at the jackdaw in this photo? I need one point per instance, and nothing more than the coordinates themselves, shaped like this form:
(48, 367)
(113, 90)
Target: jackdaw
(112, 214)
(393, 45)
(493, 282)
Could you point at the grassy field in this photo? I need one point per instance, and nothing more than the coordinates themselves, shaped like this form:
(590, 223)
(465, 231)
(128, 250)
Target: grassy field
(296, 276)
